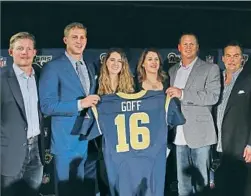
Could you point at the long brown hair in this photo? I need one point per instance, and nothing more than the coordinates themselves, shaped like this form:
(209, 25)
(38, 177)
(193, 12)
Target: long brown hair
(125, 78)
(141, 70)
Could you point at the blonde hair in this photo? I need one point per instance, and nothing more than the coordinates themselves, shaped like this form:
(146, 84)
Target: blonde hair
(74, 25)
(21, 35)
(141, 70)
(125, 78)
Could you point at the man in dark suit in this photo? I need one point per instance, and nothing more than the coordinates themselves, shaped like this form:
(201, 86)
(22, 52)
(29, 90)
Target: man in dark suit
(234, 124)
(67, 87)
(22, 148)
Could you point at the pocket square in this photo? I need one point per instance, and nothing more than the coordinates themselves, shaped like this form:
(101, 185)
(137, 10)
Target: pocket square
(241, 92)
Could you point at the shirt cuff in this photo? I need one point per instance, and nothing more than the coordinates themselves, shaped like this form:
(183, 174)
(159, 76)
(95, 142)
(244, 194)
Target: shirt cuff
(79, 106)
(182, 95)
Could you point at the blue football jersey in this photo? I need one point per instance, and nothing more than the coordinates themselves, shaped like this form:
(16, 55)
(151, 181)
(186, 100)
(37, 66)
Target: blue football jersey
(135, 129)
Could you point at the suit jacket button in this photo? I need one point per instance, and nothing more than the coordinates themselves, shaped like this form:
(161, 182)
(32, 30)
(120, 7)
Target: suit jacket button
(25, 128)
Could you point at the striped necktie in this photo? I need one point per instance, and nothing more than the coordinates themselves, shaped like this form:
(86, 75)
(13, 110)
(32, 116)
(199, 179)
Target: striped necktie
(83, 76)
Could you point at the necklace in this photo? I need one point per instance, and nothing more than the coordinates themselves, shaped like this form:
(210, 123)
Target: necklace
(154, 85)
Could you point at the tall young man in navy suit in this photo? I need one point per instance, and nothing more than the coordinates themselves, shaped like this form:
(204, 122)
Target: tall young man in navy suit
(67, 87)
(22, 137)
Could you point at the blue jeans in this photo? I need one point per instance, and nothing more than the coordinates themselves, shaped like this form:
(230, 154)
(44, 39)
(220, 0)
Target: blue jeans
(192, 169)
(29, 179)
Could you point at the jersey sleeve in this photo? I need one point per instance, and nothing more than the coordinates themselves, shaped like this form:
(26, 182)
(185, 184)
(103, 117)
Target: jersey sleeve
(86, 124)
(90, 127)
(173, 112)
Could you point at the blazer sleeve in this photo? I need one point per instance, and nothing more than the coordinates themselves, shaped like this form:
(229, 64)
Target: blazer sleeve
(249, 128)
(207, 96)
(50, 102)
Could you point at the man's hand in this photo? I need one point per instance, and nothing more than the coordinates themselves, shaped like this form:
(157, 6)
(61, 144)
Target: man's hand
(174, 92)
(89, 101)
(247, 154)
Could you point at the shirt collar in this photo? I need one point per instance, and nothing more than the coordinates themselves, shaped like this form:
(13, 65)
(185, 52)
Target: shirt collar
(235, 74)
(189, 66)
(73, 61)
(19, 72)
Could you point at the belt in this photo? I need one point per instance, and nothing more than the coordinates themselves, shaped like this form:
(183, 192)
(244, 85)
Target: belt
(32, 140)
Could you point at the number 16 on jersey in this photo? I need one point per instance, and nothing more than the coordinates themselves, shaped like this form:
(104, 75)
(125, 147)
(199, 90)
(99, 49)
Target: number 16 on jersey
(134, 130)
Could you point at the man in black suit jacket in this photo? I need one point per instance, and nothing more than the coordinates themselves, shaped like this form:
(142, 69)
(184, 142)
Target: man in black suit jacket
(234, 124)
(21, 131)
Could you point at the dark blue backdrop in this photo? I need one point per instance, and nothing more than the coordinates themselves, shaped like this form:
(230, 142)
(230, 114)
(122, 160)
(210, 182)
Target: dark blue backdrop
(170, 57)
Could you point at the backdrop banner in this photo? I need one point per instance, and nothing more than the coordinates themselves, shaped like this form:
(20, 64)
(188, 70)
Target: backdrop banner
(95, 56)
(170, 56)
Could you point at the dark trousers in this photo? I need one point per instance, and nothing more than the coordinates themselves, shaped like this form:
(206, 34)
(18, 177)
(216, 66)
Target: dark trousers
(233, 178)
(102, 178)
(103, 183)
(29, 179)
(171, 182)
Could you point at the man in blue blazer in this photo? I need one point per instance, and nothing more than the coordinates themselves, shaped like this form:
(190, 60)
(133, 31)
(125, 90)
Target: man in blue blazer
(67, 87)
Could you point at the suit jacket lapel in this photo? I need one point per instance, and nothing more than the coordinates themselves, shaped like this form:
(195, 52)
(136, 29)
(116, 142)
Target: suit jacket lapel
(193, 74)
(92, 78)
(238, 83)
(172, 79)
(38, 103)
(68, 68)
(16, 91)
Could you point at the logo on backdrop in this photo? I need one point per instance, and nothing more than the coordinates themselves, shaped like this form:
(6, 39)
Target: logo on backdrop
(46, 178)
(3, 61)
(245, 58)
(46, 130)
(48, 156)
(210, 59)
(102, 57)
(40, 60)
(173, 57)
